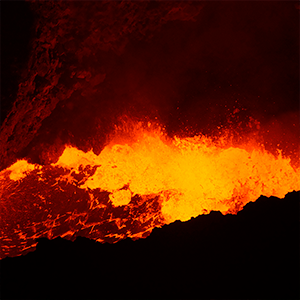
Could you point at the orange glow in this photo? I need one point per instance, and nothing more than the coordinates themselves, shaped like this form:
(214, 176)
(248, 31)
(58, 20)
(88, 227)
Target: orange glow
(142, 179)
(192, 176)
(19, 169)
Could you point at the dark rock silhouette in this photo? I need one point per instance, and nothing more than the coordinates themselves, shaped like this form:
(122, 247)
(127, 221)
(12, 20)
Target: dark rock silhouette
(251, 255)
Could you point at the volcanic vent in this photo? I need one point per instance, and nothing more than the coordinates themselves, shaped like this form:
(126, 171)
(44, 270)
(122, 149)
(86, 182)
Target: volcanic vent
(132, 115)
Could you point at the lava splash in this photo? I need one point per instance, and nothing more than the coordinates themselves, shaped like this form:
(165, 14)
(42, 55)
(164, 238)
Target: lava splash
(142, 179)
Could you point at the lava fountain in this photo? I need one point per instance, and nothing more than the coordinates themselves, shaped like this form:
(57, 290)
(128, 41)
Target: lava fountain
(142, 179)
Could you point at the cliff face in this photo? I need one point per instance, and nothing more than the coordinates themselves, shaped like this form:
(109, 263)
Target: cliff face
(184, 63)
(72, 41)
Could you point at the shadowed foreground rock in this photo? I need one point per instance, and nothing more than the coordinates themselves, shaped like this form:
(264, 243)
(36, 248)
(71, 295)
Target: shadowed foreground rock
(253, 254)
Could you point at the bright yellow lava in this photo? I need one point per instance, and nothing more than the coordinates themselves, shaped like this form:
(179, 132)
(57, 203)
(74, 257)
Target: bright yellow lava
(192, 176)
(20, 169)
(121, 197)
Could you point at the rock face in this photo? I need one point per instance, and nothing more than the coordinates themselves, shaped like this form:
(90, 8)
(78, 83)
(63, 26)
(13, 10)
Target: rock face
(68, 55)
(185, 63)
(252, 255)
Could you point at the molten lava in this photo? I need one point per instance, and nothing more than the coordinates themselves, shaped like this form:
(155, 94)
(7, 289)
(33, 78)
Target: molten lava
(142, 179)
(192, 176)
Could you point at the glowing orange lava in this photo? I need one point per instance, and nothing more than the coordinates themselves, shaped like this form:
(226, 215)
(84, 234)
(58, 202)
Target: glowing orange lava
(192, 176)
(142, 179)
